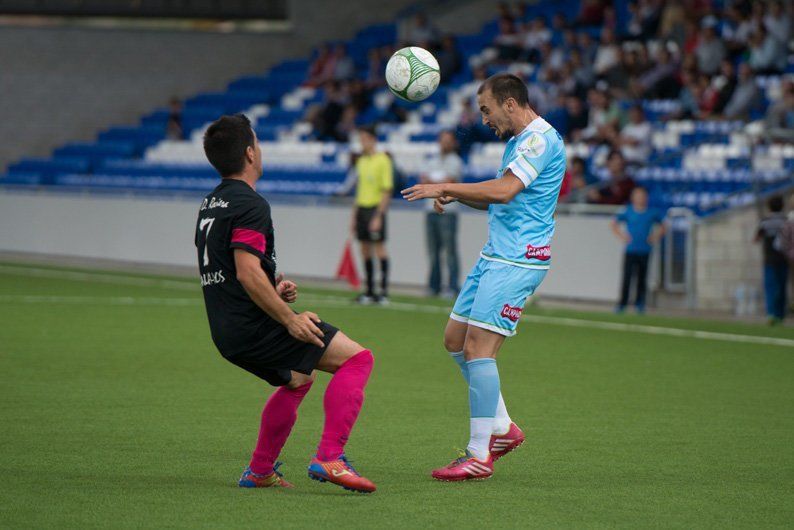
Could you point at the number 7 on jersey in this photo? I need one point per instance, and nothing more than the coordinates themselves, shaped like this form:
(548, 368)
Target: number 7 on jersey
(207, 222)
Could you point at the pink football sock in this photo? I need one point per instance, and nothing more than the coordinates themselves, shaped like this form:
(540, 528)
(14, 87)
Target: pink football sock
(278, 417)
(342, 403)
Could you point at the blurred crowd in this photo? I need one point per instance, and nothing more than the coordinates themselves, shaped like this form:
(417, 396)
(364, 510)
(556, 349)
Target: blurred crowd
(590, 76)
(592, 73)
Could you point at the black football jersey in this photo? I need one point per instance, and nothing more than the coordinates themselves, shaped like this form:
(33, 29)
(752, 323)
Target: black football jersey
(234, 216)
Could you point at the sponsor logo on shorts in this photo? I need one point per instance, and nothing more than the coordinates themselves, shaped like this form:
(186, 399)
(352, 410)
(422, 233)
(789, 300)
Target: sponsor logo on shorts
(511, 313)
(539, 253)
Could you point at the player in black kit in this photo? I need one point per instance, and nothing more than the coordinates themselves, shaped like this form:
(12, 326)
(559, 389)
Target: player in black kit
(253, 326)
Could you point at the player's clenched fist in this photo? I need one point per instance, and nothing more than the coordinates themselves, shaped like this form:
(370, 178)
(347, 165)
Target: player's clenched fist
(287, 290)
(303, 327)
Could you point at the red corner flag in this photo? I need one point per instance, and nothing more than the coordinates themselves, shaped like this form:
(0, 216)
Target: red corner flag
(347, 267)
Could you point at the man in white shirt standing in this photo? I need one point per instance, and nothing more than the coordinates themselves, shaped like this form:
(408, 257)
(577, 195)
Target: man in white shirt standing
(442, 229)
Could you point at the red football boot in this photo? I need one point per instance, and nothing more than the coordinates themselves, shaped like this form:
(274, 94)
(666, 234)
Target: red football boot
(501, 444)
(341, 473)
(466, 467)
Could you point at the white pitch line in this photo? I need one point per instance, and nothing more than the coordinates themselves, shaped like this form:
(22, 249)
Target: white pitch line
(342, 302)
(119, 279)
(583, 323)
(97, 300)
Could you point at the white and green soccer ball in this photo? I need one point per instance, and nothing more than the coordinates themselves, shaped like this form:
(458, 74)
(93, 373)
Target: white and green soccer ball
(412, 73)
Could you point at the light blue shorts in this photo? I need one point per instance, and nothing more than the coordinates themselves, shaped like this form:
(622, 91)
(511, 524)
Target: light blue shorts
(494, 294)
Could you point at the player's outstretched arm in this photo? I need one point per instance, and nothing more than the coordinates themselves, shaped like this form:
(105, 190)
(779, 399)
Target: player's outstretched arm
(302, 326)
(496, 191)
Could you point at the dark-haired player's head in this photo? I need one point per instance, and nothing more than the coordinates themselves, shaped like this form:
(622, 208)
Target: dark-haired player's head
(231, 147)
(639, 198)
(502, 98)
(775, 204)
(368, 139)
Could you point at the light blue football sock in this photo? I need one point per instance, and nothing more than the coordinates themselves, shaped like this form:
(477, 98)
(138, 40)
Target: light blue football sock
(460, 359)
(502, 420)
(483, 401)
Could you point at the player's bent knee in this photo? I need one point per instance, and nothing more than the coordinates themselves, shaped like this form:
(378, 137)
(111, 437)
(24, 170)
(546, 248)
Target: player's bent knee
(298, 380)
(453, 343)
(454, 336)
(338, 352)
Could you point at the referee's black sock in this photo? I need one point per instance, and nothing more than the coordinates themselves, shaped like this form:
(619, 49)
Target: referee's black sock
(384, 279)
(369, 267)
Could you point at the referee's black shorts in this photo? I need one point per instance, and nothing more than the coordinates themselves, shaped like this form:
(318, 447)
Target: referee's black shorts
(279, 353)
(363, 218)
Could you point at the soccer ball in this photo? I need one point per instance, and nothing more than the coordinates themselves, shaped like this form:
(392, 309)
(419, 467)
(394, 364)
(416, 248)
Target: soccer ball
(412, 73)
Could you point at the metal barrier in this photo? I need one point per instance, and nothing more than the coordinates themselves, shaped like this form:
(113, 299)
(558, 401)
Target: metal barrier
(678, 254)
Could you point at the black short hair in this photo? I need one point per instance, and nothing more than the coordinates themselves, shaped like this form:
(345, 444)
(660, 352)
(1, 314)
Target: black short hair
(504, 86)
(775, 204)
(368, 129)
(226, 141)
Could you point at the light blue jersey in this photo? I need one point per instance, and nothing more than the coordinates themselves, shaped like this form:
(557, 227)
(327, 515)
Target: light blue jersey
(520, 232)
(515, 259)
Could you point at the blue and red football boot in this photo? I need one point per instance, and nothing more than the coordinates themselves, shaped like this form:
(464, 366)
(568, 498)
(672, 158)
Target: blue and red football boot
(341, 473)
(249, 479)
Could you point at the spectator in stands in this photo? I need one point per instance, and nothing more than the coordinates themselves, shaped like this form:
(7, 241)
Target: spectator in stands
(576, 117)
(722, 87)
(673, 22)
(470, 129)
(688, 98)
(775, 264)
(777, 21)
(347, 123)
(644, 17)
(639, 227)
(576, 178)
(375, 174)
(619, 75)
(736, 30)
(326, 119)
(359, 95)
(710, 50)
(635, 137)
(507, 42)
(780, 116)
(344, 68)
(535, 37)
(768, 56)
(173, 127)
(604, 114)
(588, 47)
(591, 13)
(618, 186)
(608, 54)
(376, 68)
(582, 73)
(442, 229)
(746, 97)
(449, 59)
(321, 68)
(660, 80)
(420, 30)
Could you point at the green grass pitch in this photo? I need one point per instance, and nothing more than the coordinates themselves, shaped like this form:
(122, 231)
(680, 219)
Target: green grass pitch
(117, 411)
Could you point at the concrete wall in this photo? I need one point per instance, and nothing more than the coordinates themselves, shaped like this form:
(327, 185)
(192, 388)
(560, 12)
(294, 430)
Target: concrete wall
(727, 258)
(309, 241)
(64, 84)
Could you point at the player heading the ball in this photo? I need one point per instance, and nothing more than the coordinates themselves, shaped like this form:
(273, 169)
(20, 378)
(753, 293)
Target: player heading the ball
(520, 201)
